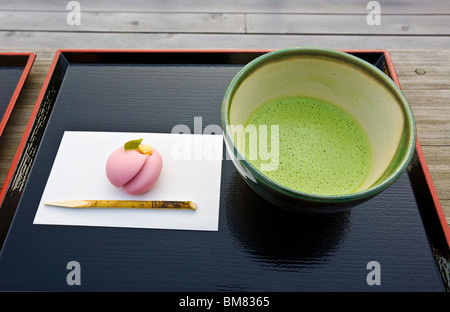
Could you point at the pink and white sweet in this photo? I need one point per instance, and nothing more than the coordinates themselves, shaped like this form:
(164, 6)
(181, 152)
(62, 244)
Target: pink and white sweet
(135, 170)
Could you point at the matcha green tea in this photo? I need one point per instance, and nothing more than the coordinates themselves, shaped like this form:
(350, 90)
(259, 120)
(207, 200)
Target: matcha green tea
(322, 149)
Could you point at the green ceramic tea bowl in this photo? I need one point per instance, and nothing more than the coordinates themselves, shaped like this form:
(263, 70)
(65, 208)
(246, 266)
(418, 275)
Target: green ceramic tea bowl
(351, 84)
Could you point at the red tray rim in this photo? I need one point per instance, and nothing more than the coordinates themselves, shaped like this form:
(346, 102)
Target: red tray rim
(31, 57)
(389, 63)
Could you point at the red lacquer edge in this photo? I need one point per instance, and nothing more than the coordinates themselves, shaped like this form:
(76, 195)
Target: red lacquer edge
(31, 58)
(12, 103)
(389, 62)
(19, 86)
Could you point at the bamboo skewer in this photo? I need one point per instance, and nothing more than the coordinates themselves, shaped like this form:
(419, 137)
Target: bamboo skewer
(136, 204)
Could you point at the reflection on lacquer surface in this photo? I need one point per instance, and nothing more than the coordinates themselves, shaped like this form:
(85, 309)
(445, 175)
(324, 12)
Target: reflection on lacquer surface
(278, 238)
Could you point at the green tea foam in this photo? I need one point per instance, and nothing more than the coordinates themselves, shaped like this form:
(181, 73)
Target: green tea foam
(322, 149)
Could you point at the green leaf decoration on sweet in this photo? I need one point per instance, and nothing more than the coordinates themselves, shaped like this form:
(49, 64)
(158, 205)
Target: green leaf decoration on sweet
(133, 144)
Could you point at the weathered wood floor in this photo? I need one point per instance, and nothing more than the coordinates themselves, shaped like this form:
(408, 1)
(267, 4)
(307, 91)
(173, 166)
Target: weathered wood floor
(225, 24)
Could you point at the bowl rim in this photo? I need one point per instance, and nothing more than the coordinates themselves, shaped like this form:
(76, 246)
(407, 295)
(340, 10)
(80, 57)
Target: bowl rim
(336, 55)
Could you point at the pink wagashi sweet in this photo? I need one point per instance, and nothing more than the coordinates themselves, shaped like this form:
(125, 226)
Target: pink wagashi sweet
(136, 170)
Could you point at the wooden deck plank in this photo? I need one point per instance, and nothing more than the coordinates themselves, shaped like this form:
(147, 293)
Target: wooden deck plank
(354, 24)
(432, 113)
(422, 70)
(123, 22)
(445, 203)
(422, 76)
(32, 39)
(237, 6)
(438, 161)
(432, 79)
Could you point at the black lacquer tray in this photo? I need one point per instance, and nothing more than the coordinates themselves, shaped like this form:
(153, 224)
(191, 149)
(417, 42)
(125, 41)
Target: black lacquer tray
(397, 241)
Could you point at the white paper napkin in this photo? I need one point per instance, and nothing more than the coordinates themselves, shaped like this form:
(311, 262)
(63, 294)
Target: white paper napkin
(192, 166)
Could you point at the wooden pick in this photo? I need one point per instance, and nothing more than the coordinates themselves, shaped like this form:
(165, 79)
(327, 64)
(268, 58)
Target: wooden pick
(136, 204)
